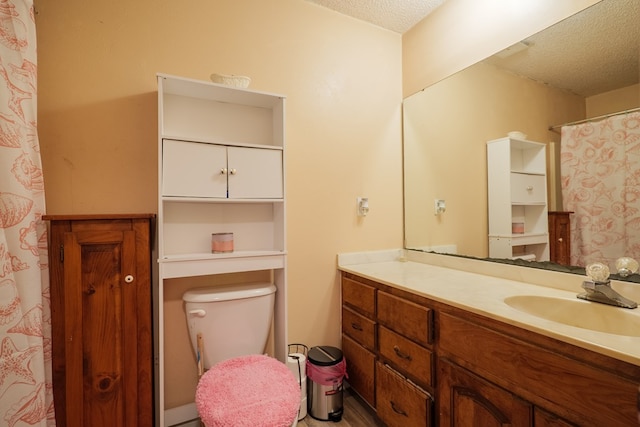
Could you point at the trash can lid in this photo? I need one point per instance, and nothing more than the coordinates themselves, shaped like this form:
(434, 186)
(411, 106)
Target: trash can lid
(325, 355)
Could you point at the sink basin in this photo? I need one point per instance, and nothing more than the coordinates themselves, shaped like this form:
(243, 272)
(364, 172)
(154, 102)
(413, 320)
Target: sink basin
(579, 313)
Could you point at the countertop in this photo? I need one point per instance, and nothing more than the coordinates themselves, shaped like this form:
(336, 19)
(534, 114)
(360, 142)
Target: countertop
(484, 294)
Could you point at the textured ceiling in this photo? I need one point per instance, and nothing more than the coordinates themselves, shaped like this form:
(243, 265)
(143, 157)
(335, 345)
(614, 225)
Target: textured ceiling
(394, 15)
(594, 51)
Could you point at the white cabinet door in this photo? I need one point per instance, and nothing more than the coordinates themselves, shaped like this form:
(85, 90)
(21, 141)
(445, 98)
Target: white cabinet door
(192, 169)
(255, 173)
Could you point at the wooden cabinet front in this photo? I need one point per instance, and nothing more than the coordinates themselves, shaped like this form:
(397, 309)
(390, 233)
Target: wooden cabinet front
(569, 385)
(400, 403)
(468, 401)
(102, 341)
(560, 237)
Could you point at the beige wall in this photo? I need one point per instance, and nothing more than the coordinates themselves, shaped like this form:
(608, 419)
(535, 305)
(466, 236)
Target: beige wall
(97, 63)
(614, 101)
(462, 32)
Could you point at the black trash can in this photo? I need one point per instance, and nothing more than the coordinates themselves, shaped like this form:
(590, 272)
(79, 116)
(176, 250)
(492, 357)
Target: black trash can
(326, 369)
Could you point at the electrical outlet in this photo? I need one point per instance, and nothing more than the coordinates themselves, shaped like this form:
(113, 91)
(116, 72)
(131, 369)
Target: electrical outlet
(363, 206)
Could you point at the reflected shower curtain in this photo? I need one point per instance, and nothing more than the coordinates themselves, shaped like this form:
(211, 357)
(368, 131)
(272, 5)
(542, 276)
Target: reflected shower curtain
(26, 397)
(600, 172)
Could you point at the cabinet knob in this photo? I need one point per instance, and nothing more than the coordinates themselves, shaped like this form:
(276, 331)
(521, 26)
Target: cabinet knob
(559, 239)
(128, 278)
(223, 171)
(232, 171)
(530, 188)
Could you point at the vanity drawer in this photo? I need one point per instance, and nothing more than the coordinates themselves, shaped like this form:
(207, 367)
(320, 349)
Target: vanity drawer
(526, 188)
(360, 368)
(398, 402)
(410, 358)
(405, 317)
(359, 296)
(359, 328)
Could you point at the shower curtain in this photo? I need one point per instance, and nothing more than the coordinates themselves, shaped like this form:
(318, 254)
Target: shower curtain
(600, 172)
(26, 397)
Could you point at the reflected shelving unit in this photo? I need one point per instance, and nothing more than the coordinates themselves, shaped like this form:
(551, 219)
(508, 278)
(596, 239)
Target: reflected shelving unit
(517, 199)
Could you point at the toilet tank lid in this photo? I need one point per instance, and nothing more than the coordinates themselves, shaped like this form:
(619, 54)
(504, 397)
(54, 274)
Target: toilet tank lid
(229, 292)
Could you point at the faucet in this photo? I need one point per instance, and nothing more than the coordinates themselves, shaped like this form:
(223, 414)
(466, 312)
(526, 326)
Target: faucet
(599, 289)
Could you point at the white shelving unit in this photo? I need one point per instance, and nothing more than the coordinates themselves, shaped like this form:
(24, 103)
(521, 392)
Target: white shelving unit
(517, 193)
(221, 169)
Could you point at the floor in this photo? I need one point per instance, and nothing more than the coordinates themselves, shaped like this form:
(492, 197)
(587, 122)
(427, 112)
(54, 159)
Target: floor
(356, 414)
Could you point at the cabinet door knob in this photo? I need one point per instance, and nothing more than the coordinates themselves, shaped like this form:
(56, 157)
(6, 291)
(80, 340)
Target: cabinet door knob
(559, 239)
(223, 171)
(530, 188)
(232, 171)
(128, 278)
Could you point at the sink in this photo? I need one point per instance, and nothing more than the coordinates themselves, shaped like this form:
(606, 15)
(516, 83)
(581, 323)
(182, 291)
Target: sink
(579, 313)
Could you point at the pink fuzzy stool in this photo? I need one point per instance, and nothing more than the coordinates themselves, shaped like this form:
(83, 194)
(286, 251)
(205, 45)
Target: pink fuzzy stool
(249, 391)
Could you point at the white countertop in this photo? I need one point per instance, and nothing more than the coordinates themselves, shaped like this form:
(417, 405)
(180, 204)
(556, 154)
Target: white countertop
(484, 294)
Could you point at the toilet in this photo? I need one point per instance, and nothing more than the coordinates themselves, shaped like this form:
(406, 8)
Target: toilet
(241, 385)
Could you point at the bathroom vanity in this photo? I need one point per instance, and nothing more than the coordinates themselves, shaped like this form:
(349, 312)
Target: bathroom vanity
(427, 345)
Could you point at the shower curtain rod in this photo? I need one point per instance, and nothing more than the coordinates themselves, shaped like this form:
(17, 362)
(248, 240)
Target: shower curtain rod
(553, 128)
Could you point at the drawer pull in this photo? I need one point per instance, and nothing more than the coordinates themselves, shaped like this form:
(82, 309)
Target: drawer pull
(396, 410)
(400, 354)
(356, 326)
(529, 188)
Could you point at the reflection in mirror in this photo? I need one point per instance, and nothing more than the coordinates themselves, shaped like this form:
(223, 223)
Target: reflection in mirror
(583, 67)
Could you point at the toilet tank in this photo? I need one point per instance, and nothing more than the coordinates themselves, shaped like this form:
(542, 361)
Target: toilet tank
(233, 320)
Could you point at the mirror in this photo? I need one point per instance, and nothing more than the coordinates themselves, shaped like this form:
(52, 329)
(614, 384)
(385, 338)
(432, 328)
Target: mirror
(557, 76)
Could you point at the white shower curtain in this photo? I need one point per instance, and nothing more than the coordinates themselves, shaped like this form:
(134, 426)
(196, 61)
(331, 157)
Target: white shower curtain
(600, 169)
(26, 397)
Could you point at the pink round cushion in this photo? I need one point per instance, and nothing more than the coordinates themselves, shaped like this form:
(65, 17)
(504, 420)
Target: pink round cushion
(249, 391)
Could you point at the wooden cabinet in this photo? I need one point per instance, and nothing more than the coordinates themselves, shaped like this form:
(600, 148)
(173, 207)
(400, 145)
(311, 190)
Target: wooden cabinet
(558, 382)
(359, 332)
(386, 341)
(517, 199)
(100, 274)
(221, 170)
(560, 237)
(479, 370)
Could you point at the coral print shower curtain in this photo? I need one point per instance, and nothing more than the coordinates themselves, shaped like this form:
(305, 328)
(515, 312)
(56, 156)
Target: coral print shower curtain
(25, 322)
(600, 168)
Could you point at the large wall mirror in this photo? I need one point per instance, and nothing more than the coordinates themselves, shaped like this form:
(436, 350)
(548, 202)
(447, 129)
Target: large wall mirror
(583, 67)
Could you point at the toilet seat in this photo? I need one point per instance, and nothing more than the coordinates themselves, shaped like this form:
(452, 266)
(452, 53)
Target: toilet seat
(254, 390)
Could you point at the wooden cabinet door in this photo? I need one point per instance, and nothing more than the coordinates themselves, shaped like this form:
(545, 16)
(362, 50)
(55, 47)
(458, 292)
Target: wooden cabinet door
(102, 345)
(560, 237)
(466, 400)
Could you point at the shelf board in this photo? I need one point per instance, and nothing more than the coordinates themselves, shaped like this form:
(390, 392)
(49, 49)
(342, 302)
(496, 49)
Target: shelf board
(215, 141)
(528, 172)
(528, 204)
(203, 264)
(524, 239)
(180, 199)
